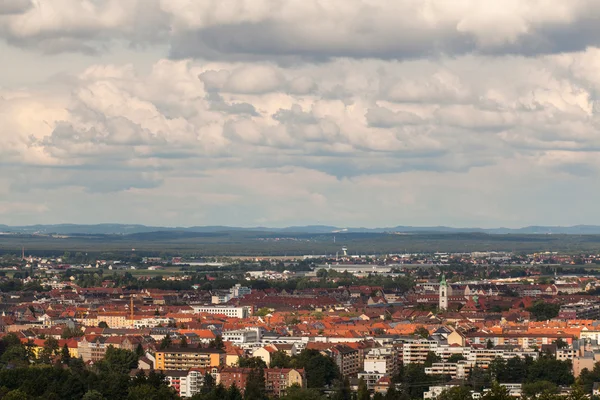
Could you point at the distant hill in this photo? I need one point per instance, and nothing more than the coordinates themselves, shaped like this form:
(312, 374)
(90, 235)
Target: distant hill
(125, 229)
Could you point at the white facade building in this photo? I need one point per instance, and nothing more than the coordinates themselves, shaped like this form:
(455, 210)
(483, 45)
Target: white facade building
(229, 311)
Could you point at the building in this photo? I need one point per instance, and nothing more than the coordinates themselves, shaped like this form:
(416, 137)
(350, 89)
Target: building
(115, 319)
(177, 380)
(416, 352)
(239, 291)
(443, 302)
(184, 358)
(242, 336)
(459, 370)
(381, 359)
(264, 353)
(580, 310)
(278, 380)
(347, 359)
(229, 311)
(230, 376)
(371, 378)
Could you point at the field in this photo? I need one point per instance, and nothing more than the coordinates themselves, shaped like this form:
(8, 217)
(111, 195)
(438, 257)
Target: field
(235, 243)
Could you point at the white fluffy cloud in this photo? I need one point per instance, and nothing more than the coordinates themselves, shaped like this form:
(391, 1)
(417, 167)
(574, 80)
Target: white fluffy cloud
(292, 112)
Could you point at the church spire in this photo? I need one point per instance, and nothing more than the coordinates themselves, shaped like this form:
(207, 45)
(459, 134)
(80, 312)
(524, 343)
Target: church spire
(443, 300)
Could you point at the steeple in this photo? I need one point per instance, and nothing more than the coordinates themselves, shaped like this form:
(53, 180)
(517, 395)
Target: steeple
(443, 300)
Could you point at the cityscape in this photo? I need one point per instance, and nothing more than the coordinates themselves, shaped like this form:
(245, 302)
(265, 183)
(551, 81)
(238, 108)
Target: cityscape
(481, 324)
(299, 199)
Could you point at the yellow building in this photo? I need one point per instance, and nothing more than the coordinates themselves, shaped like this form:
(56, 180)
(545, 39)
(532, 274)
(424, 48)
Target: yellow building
(183, 358)
(37, 345)
(115, 319)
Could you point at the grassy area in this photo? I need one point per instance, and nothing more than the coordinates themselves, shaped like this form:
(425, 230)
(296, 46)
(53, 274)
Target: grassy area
(278, 244)
(168, 271)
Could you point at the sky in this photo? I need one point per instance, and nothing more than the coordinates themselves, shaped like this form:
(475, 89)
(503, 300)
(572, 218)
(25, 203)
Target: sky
(294, 112)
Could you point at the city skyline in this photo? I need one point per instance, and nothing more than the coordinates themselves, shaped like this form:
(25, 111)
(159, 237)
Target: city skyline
(259, 113)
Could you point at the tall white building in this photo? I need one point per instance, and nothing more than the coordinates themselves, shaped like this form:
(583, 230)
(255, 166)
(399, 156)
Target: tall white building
(443, 302)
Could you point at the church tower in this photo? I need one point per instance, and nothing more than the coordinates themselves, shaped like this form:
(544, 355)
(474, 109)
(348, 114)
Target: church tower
(443, 302)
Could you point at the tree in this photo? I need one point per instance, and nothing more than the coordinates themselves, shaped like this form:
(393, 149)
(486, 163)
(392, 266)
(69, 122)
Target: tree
(415, 373)
(280, 359)
(166, 342)
(217, 343)
(93, 395)
(295, 392)
(262, 312)
(321, 371)
(209, 383)
(392, 393)
(478, 379)
(535, 389)
(16, 356)
(497, 392)
(233, 393)
(431, 358)
(183, 342)
(489, 344)
(454, 358)
(577, 393)
(322, 273)
(103, 325)
(547, 368)
(65, 355)
(543, 311)
(139, 350)
(363, 390)
(69, 333)
(255, 385)
(560, 343)
(342, 391)
(16, 394)
(49, 350)
(118, 360)
(421, 331)
(456, 393)
(251, 362)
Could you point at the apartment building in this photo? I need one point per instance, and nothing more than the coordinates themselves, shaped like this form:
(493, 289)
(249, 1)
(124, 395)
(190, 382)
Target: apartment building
(483, 357)
(347, 359)
(524, 340)
(234, 376)
(278, 380)
(184, 358)
(381, 359)
(459, 370)
(115, 319)
(566, 354)
(416, 352)
(371, 378)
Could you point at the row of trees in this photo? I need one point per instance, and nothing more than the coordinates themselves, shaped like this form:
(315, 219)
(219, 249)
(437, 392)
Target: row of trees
(55, 375)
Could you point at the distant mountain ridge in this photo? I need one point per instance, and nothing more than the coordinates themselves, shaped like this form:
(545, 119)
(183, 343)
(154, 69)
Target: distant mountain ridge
(126, 229)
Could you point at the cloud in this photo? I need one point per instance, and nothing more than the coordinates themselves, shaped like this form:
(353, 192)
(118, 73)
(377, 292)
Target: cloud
(431, 112)
(293, 30)
(8, 7)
